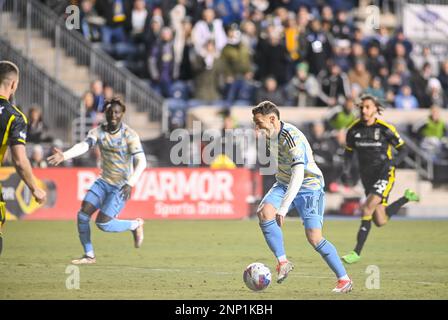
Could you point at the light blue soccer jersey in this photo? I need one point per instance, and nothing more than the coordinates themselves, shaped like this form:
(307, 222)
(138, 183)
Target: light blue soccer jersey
(294, 149)
(117, 151)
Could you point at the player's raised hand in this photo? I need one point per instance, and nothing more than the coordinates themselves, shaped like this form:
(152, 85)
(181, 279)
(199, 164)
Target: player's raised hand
(126, 192)
(56, 158)
(40, 195)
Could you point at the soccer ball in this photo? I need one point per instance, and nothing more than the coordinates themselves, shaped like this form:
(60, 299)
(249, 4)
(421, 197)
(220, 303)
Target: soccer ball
(257, 276)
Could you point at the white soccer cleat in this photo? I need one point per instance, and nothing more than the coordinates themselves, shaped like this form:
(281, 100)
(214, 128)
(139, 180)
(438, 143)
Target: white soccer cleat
(283, 268)
(84, 260)
(138, 233)
(343, 286)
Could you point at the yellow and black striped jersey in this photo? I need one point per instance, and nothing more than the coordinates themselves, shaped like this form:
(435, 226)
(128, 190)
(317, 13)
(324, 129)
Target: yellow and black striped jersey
(13, 126)
(373, 143)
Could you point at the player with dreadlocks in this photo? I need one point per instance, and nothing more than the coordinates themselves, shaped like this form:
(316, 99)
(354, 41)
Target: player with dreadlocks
(373, 139)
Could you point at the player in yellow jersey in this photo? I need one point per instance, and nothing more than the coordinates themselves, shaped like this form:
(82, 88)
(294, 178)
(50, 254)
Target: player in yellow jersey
(120, 146)
(13, 134)
(373, 139)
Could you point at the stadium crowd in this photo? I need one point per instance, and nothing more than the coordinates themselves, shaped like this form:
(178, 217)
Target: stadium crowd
(238, 52)
(300, 53)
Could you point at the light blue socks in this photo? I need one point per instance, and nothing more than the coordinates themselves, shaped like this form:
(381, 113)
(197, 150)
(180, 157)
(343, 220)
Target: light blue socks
(328, 251)
(274, 237)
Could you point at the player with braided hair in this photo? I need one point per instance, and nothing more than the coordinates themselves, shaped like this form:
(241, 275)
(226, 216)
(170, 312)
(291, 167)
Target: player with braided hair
(373, 139)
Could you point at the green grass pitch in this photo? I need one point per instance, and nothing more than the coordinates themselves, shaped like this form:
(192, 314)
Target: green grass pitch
(204, 260)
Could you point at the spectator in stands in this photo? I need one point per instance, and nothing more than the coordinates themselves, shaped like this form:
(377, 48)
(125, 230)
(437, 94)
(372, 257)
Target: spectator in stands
(88, 102)
(209, 28)
(90, 22)
(433, 126)
(302, 90)
(432, 132)
(426, 56)
(400, 54)
(399, 77)
(138, 24)
(249, 35)
(375, 89)
(358, 37)
(304, 18)
(155, 27)
(399, 37)
(435, 93)
(327, 14)
(206, 75)
(419, 85)
(108, 92)
(295, 40)
(318, 48)
(184, 50)
(161, 62)
(391, 48)
(405, 100)
(341, 54)
(272, 58)
(236, 65)
(37, 158)
(359, 75)
(230, 11)
(382, 37)
(97, 88)
(375, 60)
(342, 27)
(443, 78)
(340, 117)
(334, 85)
(36, 132)
(270, 91)
(115, 12)
(357, 53)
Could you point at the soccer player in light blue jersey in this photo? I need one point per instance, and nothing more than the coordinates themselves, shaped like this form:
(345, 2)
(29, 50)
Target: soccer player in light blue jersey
(299, 185)
(120, 146)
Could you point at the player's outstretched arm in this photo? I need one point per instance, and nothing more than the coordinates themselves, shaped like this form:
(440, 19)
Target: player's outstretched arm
(75, 151)
(24, 170)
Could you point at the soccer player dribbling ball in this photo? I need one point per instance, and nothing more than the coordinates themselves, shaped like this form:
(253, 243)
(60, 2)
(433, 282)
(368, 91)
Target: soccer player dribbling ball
(373, 140)
(120, 146)
(299, 184)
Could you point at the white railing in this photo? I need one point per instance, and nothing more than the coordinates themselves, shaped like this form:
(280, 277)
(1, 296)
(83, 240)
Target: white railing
(32, 15)
(59, 105)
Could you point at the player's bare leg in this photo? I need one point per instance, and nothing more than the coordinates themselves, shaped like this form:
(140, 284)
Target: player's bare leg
(380, 217)
(368, 209)
(274, 237)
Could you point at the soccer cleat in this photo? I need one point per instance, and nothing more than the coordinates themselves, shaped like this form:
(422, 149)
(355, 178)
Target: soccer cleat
(84, 260)
(138, 233)
(343, 286)
(411, 195)
(283, 268)
(351, 257)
